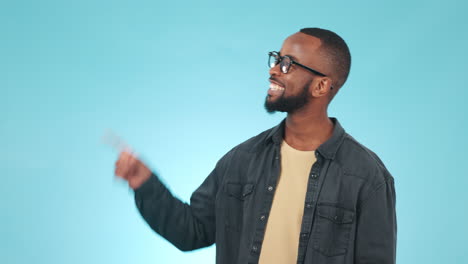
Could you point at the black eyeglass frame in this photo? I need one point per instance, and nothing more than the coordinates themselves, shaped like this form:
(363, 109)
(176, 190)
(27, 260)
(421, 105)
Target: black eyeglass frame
(280, 58)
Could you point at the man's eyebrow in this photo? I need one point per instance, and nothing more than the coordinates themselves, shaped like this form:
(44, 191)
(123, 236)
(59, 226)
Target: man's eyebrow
(291, 56)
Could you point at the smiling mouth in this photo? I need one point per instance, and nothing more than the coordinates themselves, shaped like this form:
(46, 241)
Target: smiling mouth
(275, 89)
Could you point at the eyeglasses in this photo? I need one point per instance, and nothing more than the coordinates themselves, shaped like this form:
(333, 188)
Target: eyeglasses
(285, 63)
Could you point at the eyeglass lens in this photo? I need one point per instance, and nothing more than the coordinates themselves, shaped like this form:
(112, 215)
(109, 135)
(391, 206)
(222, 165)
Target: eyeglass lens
(285, 62)
(273, 60)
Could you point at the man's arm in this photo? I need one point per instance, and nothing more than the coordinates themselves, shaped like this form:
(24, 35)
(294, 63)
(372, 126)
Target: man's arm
(376, 232)
(186, 226)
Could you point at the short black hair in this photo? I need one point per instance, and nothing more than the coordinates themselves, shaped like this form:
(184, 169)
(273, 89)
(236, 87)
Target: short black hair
(336, 51)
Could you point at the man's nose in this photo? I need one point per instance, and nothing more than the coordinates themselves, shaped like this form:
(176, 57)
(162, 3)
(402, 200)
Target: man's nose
(275, 71)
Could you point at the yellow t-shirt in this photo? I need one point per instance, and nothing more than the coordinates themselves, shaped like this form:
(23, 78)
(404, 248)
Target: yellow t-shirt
(281, 241)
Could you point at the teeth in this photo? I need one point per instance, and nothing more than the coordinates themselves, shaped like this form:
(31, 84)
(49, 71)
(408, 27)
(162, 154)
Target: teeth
(276, 87)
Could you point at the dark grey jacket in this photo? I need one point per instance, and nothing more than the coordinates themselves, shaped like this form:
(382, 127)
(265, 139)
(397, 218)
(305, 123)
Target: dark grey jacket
(349, 209)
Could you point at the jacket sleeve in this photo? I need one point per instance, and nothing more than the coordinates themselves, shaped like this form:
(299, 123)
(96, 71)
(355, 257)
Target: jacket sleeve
(186, 226)
(376, 232)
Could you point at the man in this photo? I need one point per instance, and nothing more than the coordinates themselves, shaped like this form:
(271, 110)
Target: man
(304, 191)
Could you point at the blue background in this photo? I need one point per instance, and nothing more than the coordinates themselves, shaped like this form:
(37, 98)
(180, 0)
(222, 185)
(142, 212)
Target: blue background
(185, 81)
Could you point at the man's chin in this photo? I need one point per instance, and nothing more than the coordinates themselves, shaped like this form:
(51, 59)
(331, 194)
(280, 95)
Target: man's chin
(271, 107)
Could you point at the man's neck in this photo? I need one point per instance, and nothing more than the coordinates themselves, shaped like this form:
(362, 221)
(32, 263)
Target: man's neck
(307, 131)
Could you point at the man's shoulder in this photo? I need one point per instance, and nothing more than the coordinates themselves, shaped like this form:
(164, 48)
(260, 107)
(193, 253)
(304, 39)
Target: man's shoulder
(360, 161)
(256, 142)
(242, 152)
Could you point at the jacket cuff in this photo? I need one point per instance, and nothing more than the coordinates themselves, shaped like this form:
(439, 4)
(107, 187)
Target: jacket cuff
(151, 187)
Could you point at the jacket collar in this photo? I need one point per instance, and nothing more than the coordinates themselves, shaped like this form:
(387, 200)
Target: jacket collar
(328, 149)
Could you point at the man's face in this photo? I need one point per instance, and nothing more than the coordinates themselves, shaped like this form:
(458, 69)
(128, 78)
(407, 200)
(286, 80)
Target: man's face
(289, 92)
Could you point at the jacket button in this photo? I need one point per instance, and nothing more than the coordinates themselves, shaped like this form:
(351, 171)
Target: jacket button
(254, 248)
(270, 188)
(308, 205)
(262, 217)
(314, 175)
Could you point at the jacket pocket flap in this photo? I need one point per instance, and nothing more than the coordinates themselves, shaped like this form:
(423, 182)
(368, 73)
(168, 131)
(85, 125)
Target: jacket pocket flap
(336, 214)
(239, 190)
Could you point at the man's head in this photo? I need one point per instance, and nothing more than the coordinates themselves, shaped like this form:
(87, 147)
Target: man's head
(319, 65)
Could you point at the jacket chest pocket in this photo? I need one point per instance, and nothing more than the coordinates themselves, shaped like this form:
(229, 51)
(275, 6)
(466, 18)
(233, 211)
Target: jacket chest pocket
(332, 230)
(237, 196)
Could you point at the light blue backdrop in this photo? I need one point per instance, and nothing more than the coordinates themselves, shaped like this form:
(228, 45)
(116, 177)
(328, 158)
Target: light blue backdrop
(183, 82)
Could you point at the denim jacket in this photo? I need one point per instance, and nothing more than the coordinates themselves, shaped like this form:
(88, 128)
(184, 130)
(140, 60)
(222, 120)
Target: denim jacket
(349, 209)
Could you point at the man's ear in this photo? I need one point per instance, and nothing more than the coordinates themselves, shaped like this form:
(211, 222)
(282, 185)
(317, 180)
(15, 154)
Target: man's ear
(321, 87)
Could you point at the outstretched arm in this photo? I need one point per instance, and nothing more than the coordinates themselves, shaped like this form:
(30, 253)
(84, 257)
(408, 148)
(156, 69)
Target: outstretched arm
(186, 226)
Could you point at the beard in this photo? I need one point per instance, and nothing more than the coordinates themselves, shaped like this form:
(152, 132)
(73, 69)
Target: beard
(288, 104)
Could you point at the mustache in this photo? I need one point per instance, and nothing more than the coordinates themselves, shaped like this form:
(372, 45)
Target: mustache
(276, 81)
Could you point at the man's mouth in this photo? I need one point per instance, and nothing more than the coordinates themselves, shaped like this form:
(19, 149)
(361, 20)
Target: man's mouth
(275, 89)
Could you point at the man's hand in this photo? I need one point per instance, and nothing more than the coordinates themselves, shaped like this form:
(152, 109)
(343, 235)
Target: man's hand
(131, 169)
